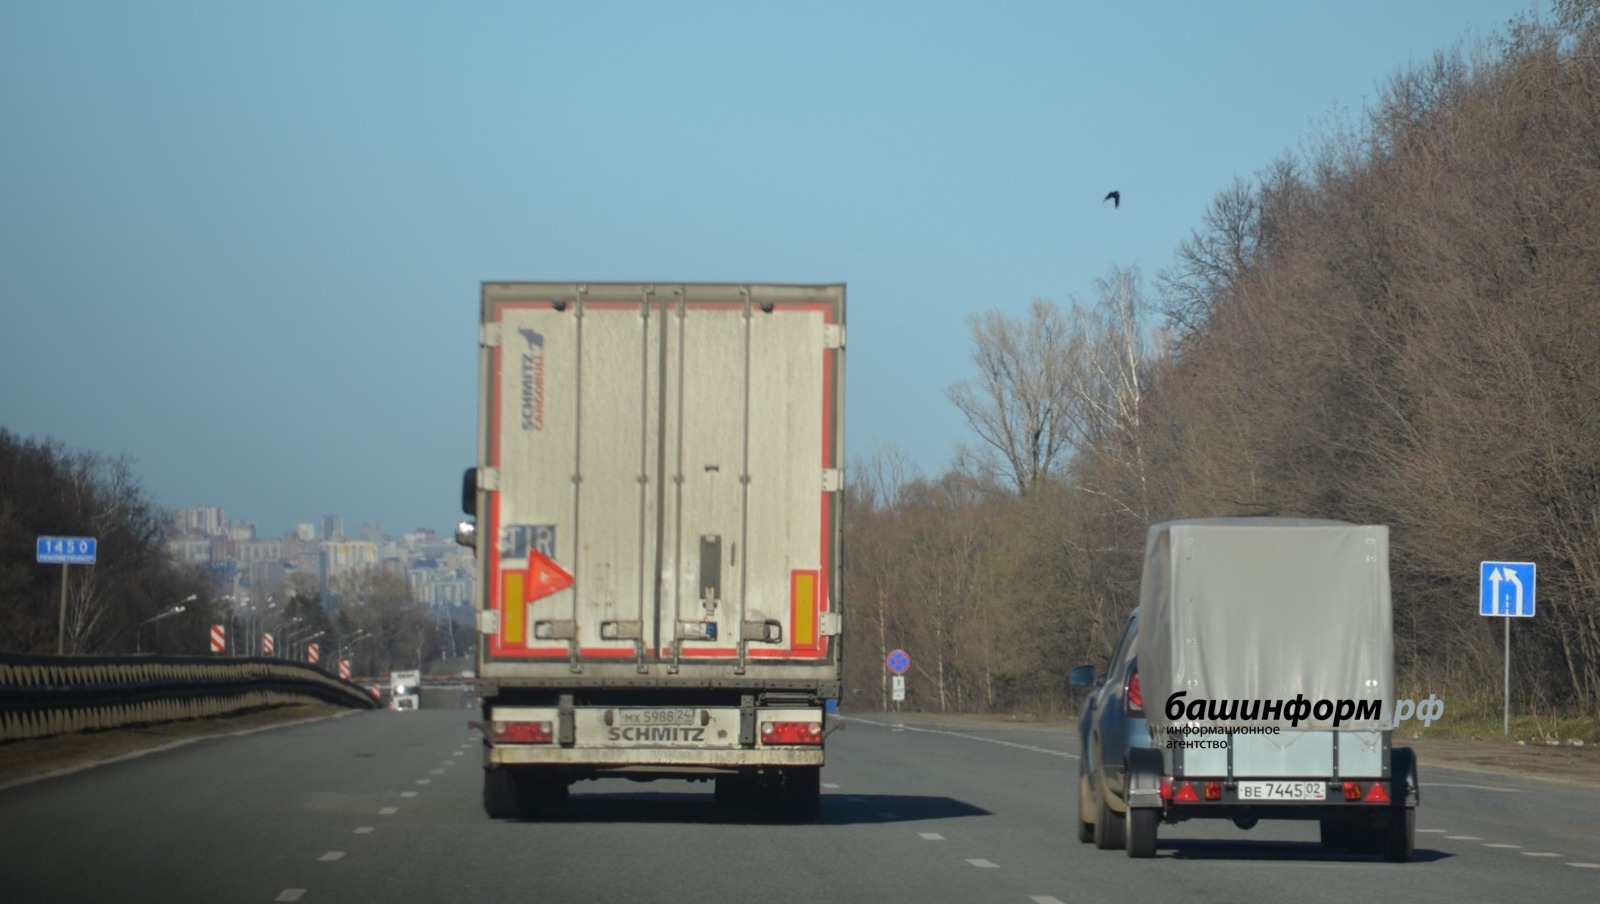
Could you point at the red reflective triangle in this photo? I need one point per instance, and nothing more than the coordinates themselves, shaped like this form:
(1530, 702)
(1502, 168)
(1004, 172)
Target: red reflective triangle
(544, 577)
(1377, 795)
(1186, 794)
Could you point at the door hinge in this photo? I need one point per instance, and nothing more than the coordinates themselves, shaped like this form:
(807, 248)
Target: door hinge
(830, 624)
(489, 622)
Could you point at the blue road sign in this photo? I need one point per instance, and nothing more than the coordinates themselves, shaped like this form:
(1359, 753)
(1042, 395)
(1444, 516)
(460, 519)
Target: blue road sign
(1506, 588)
(898, 662)
(66, 550)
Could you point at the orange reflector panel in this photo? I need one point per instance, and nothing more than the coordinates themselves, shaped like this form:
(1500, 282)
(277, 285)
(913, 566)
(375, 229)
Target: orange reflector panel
(803, 609)
(1377, 795)
(1213, 790)
(513, 609)
(1186, 794)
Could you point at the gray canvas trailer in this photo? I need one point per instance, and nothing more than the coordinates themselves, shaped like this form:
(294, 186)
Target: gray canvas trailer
(1266, 660)
(657, 535)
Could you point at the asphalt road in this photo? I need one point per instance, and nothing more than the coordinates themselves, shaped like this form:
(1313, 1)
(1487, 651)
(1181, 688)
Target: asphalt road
(385, 807)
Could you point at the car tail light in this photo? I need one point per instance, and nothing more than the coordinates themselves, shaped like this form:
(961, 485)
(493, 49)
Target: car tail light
(791, 732)
(1213, 790)
(523, 732)
(1377, 795)
(1186, 794)
(1352, 790)
(1135, 699)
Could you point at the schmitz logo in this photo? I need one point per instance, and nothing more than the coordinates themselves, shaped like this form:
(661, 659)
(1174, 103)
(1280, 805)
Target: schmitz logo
(533, 380)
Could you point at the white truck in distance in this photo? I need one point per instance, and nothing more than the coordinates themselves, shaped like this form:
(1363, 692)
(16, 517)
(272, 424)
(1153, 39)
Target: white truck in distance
(657, 537)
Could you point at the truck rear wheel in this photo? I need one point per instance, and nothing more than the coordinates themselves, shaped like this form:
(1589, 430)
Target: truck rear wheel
(500, 797)
(793, 795)
(1141, 831)
(1400, 839)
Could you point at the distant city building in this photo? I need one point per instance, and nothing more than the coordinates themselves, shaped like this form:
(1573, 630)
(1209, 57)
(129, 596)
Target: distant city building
(252, 570)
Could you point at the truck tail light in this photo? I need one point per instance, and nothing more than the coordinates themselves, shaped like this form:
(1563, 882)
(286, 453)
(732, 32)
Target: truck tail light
(1213, 790)
(1166, 787)
(791, 732)
(523, 733)
(1352, 790)
(1134, 697)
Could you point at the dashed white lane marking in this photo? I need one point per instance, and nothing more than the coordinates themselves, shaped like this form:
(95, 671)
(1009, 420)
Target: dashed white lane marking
(1539, 854)
(436, 771)
(424, 781)
(1044, 899)
(290, 894)
(1585, 865)
(388, 811)
(1432, 831)
(1486, 844)
(459, 753)
(449, 762)
(984, 864)
(364, 830)
(830, 786)
(1473, 787)
(332, 855)
(408, 794)
(971, 737)
(931, 836)
(1463, 838)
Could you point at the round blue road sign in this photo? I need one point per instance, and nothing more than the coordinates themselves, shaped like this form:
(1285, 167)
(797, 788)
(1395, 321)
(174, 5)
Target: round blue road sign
(899, 662)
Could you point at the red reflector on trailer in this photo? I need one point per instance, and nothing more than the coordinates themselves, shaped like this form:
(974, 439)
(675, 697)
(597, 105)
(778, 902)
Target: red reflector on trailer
(1352, 790)
(1377, 795)
(1213, 790)
(523, 732)
(1186, 794)
(1166, 787)
(791, 732)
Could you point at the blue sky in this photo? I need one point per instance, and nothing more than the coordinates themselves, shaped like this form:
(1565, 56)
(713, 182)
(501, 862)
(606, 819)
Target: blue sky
(242, 243)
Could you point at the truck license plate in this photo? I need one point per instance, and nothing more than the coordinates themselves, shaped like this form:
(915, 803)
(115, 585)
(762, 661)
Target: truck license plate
(1283, 791)
(674, 716)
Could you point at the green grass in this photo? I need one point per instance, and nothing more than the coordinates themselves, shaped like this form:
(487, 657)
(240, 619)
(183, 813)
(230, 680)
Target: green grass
(1483, 718)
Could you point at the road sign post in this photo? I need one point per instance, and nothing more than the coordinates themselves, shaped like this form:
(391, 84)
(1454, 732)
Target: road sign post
(1506, 590)
(66, 551)
(897, 662)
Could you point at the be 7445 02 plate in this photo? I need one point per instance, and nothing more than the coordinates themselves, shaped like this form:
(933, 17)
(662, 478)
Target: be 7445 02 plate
(1291, 791)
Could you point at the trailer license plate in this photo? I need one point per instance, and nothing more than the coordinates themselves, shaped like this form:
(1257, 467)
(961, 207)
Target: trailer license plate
(1283, 791)
(674, 716)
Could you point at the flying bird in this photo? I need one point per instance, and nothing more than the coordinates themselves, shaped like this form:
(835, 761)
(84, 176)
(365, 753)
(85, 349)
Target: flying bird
(1115, 198)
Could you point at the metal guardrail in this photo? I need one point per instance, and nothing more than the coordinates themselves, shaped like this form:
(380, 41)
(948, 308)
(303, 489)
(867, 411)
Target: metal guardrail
(51, 695)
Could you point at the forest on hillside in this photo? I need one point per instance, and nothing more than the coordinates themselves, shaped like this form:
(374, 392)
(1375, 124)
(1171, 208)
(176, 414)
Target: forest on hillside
(1398, 325)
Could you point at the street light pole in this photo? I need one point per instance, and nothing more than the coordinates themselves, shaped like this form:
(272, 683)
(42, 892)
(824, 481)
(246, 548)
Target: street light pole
(174, 609)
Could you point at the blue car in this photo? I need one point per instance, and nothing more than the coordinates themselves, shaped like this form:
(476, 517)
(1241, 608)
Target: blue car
(1112, 724)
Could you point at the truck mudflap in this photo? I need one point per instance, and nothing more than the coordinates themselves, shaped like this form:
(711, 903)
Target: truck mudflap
(1144, 777)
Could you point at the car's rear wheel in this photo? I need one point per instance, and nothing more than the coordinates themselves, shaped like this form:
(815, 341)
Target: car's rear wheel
(1085, 826)
(1108, 829)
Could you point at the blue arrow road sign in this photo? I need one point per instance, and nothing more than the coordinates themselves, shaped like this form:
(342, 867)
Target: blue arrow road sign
(1506, 588)
(65, 550)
